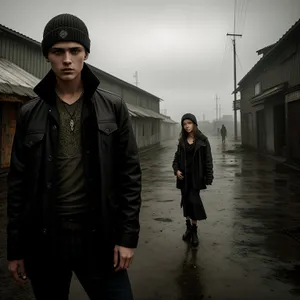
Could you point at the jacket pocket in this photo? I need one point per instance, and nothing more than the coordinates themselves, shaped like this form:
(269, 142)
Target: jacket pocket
(33, 148)
(32, 139)
(107, 138)
(107, 128)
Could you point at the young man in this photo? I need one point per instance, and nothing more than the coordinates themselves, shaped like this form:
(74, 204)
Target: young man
(75, 180)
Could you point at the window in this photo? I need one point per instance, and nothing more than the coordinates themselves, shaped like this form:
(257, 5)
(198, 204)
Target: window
(257, 88)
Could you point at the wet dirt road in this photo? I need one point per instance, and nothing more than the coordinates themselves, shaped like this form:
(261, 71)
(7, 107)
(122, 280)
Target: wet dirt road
(244, 252)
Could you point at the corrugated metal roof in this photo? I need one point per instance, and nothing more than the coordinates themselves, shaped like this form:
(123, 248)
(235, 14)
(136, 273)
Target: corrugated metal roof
(16, 81)
(18, 34)
(143, 112)
(131, 114)
(154, 114)
(168, 120)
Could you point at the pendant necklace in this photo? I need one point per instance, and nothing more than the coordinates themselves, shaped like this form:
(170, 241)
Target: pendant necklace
(72, 122)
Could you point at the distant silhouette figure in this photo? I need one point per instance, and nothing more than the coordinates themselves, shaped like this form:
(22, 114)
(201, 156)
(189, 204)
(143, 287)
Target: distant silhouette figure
(223, 133)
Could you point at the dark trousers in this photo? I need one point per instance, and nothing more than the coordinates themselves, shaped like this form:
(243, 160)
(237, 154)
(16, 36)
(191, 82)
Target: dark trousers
(52, 284)
(51, 274)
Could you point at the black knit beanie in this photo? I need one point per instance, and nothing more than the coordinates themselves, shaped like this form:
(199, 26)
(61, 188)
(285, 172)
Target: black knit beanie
(189, 116)
(63, 28)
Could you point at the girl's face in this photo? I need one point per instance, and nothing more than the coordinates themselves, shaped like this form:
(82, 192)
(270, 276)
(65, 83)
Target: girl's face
(188, 126)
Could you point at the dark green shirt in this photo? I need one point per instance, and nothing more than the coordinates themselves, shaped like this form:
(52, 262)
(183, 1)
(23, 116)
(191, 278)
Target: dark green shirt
(71, 193)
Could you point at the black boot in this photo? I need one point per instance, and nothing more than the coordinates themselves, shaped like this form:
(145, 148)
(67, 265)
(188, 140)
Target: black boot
(187, 234)
(194, 239)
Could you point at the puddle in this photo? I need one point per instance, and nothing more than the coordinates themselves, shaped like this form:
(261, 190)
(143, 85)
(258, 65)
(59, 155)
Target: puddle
(167, 220)
(164, 200)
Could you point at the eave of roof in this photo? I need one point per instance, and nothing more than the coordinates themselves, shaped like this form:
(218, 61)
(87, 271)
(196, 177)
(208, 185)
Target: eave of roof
(273, 49)
(16, 81)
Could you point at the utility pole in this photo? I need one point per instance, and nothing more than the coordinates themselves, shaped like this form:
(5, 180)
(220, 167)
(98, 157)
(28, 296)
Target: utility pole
(217, 107)
(234, 35)
(203, 117)
(136, 76)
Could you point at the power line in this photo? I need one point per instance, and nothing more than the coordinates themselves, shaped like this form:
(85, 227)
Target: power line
(239, 61)
(240, 15)
(223, 58)
(234, 16)
(244, 17)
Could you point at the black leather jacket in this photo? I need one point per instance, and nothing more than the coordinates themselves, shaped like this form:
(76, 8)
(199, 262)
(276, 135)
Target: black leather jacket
(111, 166)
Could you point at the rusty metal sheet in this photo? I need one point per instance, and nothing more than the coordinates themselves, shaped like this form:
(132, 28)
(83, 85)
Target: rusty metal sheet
(16, 81)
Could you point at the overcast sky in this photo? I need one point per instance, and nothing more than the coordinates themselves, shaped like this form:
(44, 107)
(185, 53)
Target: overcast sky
(179, 48)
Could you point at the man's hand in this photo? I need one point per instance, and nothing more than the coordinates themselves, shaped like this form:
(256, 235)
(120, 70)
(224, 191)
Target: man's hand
(179, 175)
(124, 256)
(16, 267)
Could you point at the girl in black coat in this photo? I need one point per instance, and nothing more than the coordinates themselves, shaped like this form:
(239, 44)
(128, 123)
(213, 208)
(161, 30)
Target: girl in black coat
(193, 167)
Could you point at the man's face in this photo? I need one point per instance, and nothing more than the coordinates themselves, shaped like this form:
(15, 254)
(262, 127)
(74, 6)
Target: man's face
(188, 126)
(67, 60)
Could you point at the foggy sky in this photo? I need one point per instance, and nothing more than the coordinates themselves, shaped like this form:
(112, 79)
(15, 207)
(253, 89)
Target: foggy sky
(181, 51)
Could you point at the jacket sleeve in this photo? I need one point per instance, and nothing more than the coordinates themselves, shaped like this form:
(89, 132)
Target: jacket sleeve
(209, 174)
(129, 194)
(175, 164)
(15, 199)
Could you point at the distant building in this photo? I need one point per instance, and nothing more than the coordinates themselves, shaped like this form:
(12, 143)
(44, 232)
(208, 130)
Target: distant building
(206, 127)
(270, 99)
(168, 129)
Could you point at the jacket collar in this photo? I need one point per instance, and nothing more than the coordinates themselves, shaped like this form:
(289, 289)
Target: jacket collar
(200, 142)
(45, 89)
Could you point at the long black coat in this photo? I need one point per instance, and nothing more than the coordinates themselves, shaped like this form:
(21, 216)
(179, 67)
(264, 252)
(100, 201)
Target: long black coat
(111, 168)
(202, 164)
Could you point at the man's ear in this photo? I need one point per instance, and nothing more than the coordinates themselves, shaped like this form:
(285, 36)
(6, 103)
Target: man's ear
(86, 55)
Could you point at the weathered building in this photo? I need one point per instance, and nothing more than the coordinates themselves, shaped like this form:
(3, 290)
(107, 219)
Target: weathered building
(168, 129)
(143, 107)
(15, 88)
(270, 99)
